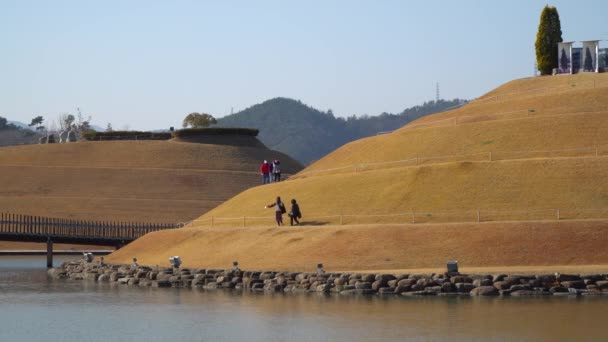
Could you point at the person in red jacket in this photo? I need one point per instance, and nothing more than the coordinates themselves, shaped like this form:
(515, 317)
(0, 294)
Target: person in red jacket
(265, 172)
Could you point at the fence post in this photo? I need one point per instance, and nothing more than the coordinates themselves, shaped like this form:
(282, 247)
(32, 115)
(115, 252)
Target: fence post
(341, 219)
(558, 214)
(478, 216)
(413, 216)
(490, 155)
(211, 221)
(243, 221)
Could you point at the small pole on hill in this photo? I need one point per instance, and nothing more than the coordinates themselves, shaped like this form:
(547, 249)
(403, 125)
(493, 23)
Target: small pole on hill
(211, 221)
(478, 216)
(413, 216)
(243, 221)
(490, 155)
(558, 214)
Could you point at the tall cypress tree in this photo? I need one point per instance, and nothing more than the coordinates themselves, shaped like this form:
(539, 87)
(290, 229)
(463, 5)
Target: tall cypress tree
(549, 34)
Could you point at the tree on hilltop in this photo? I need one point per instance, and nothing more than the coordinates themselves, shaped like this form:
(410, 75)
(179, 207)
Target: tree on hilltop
(198, 120)
(549, 34)
(37, 121)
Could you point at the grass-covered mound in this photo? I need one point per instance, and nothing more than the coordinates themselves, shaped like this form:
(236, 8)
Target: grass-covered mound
(533, 149)
(162, 181)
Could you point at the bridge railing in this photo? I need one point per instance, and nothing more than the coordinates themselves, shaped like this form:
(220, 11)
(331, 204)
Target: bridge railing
(19, 224)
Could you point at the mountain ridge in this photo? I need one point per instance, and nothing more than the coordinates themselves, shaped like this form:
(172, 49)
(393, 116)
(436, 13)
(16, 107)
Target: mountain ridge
(307, 134)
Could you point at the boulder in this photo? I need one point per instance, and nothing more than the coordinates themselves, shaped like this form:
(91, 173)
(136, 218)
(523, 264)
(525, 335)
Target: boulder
(556, 289)
(519, 287)
(406, 282)
(385, 278)
(461, 279)
(133, 281)
(368, 278)
(482, 282)
(573, 284)
(546, 278)
(567, 277)
(324, 288)
(503, 285)
(464, 287)
(377, 285)
(363, 285)
(399, 289)
(484, 291)
(161, 283)
(124, 280)
(114, 276)
(448, 287)
(602, 284)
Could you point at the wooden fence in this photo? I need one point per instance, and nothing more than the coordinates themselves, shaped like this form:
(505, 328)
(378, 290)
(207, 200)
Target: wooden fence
(28, 225)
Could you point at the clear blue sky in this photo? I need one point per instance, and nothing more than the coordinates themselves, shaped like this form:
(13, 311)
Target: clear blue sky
(147, 64)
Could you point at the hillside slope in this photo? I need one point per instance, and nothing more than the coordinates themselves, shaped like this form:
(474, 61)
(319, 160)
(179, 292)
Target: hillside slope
(162, 181)
(531, 153)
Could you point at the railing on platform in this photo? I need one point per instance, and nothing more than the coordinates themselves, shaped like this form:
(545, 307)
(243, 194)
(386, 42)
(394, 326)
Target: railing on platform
(19, 224)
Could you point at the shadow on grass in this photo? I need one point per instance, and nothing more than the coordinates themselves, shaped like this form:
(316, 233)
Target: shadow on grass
(313, 223)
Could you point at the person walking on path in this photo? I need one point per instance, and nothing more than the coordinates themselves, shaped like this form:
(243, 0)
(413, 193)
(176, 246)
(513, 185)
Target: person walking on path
(279, 210)
(276, 170)
(265, 172)
(270, 172)
(294, 213)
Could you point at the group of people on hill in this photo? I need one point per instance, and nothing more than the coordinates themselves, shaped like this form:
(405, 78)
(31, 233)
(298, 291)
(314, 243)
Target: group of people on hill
(279, 209)
(271, 172)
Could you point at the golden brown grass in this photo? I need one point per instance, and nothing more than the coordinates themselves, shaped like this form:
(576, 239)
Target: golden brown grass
(525, 173)
(149, 181)
(375, 247)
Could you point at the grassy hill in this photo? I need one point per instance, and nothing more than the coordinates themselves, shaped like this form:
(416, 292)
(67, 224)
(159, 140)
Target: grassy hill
(161, 181)
(308, 134)
(516, 159)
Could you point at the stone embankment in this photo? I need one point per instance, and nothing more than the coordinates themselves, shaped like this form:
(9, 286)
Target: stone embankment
(342, 283)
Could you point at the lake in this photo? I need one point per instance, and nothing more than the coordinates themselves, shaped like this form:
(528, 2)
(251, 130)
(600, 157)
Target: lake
(35, 308)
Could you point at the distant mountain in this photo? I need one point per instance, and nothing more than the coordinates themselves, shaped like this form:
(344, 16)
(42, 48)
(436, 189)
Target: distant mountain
(20, 125)
(307, 134)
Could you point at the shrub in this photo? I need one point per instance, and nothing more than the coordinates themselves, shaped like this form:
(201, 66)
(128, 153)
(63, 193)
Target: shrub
(125, 135)
(194, 132)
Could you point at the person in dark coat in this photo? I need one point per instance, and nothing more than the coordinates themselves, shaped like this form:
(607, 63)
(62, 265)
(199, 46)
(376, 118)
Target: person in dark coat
(294, 213)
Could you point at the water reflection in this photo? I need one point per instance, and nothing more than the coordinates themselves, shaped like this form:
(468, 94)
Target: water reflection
(34, 308)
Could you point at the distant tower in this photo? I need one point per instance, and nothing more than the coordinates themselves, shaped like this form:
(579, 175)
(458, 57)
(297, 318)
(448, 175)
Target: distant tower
(437, 92)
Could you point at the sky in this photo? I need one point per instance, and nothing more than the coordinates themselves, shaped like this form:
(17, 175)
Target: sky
(147, 64)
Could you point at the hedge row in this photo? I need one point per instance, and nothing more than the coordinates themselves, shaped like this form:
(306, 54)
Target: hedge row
(193, 132)
(183, 133)
(126, 135)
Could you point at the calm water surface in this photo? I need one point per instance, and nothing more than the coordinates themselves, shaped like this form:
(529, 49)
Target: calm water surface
(34, 308)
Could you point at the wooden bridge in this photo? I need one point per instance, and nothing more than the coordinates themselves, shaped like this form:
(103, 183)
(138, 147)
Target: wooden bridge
(27, 228)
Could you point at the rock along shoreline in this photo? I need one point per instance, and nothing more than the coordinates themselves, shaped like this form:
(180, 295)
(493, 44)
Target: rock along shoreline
(441, 284)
